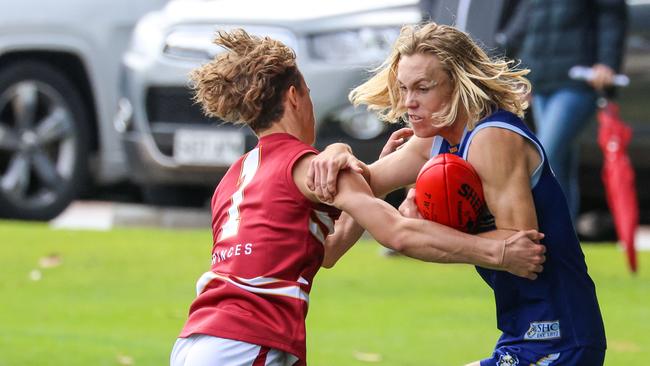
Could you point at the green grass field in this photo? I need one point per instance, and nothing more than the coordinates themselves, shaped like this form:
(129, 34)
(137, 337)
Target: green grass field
(120, 298)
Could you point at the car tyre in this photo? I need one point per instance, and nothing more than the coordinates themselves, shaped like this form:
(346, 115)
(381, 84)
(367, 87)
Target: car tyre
(44, 136)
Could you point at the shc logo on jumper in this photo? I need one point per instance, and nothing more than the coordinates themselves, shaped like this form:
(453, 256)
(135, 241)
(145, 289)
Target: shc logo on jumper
(543, 330)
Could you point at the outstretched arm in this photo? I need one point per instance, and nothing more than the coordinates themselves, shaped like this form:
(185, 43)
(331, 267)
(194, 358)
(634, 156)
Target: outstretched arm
(432, 242)
(421, 239)
(517, 247)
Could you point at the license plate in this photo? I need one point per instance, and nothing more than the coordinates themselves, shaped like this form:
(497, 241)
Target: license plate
(201, 147)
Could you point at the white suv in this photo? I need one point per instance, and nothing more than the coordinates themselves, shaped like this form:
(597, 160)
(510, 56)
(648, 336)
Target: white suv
(169, 141)
(59, 66)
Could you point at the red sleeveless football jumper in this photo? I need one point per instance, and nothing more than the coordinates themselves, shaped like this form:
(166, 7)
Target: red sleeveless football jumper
(267, 247)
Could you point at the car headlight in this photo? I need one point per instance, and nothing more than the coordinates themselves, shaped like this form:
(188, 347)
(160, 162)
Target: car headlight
(357, 46)
(360, 123)
(195, 42)
(147, 35)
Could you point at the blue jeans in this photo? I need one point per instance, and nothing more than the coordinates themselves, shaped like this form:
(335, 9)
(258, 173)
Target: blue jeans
(560, 117)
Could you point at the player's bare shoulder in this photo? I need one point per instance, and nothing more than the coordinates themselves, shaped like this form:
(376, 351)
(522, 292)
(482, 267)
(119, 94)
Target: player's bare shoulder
(494, 146)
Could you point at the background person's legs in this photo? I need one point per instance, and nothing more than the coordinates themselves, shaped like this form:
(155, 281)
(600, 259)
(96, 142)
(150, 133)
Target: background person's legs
(560, 117)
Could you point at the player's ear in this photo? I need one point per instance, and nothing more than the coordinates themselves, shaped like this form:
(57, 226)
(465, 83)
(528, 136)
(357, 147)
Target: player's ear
(292, 96)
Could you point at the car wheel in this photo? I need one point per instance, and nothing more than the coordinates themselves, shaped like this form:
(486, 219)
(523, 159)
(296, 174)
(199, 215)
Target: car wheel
(43, 141)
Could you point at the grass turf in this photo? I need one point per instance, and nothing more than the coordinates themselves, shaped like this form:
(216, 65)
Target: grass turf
(120, 298)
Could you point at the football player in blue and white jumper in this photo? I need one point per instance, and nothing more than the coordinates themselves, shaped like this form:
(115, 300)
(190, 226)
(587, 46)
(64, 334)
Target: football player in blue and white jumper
(458, 100)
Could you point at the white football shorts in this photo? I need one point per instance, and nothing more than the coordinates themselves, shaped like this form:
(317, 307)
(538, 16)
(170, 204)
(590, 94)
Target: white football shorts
(205, 350)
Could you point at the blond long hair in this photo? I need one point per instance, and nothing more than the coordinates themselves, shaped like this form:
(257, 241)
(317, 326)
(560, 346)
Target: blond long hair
(480, 84)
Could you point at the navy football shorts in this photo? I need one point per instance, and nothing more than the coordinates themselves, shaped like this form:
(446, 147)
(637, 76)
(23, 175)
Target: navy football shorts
(519, 356)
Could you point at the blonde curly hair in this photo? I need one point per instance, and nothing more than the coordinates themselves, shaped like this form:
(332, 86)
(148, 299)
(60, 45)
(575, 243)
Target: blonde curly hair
(246, 83)
(480, 84)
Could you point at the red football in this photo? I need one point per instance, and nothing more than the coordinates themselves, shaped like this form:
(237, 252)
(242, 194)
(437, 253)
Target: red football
(448, 191)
